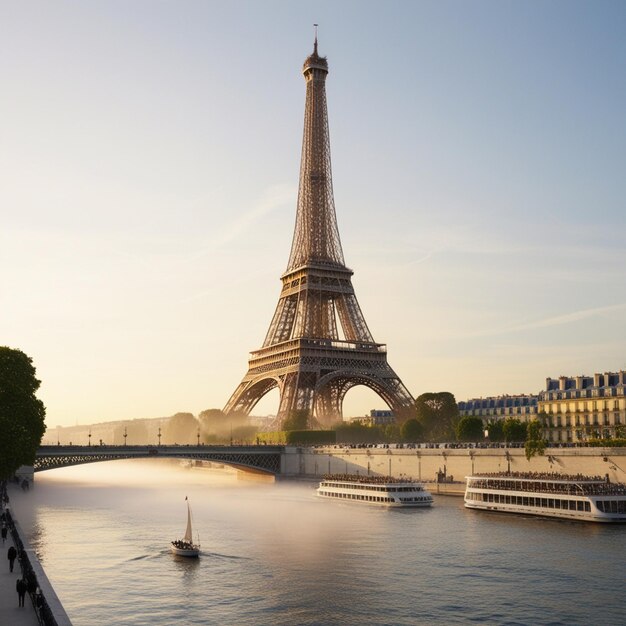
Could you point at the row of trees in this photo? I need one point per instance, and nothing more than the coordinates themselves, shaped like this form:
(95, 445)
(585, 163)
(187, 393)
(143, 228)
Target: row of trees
(470, 428)
(436, 420)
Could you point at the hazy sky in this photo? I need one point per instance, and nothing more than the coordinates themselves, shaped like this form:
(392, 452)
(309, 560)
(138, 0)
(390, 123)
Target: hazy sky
(149, 159)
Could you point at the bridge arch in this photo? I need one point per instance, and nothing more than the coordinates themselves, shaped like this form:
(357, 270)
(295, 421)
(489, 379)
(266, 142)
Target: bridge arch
(266, 459)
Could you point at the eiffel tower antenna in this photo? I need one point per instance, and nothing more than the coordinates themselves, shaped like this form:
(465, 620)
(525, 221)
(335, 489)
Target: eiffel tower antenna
(318, 345)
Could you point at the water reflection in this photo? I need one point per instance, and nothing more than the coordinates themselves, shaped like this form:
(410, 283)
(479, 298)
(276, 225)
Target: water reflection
(274, 554)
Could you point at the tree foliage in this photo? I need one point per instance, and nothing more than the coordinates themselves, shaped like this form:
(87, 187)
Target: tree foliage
(469, 428)
(181, 428)
(356, 432)
(298, 419)
(535, 443)
(216, 426)
(412, 431)
(495, 429)
(514, 429)
(438, 413)
(391, 432)
(310, 437)
(21, 413)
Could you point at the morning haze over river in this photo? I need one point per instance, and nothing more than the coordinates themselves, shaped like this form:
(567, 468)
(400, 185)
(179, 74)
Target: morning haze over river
(273, 553)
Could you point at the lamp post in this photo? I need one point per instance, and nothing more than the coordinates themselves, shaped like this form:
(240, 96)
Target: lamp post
(89, 436)
(159, 435)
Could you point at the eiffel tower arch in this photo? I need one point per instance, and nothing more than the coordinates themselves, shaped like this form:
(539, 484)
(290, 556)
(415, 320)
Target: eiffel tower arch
(318, 345)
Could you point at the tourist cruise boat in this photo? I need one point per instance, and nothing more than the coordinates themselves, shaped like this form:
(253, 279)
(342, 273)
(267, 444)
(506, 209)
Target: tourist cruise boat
(381, 490)
(585, 498)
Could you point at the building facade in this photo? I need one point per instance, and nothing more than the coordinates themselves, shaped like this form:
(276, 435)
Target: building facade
(377, 417)
(578, 408)
(522, 407)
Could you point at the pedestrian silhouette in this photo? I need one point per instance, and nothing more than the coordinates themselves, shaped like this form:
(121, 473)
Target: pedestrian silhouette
(20, 586)
(11, 555)
(4, 533)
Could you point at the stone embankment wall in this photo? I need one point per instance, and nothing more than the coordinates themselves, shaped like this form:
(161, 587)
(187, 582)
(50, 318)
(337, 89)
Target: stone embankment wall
(424, 463)
(50, 611)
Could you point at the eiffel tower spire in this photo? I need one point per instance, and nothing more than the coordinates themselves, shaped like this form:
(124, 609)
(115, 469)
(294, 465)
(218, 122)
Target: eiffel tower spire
(318, 345)
(316, 236)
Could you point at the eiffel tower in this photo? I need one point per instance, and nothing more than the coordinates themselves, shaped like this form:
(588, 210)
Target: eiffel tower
(318, 345)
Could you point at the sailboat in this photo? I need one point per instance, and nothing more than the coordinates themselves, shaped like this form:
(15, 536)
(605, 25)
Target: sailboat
(186, 546)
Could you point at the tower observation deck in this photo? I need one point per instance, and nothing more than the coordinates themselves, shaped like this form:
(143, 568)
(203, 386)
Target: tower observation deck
(318, 345)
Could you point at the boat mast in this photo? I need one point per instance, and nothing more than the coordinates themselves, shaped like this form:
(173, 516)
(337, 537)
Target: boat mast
(188, 535)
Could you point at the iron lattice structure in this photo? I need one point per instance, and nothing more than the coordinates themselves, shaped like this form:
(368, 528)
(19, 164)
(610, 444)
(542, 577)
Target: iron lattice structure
(318, 345)
(265, 459)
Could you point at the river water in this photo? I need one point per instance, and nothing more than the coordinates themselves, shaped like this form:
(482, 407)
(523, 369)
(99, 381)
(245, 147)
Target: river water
(274, 554)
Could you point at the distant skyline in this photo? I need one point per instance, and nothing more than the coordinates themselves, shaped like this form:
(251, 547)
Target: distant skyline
(149, 169)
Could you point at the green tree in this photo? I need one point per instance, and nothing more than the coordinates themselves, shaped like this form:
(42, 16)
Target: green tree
(514, 429)
(438, 413)
(412, 431)
(469, 428)
(495, 428)
(298, 419)
(355, 432)
(391, 433)
(535, 443)
(181, 428)
(209, 417)
(21, 413)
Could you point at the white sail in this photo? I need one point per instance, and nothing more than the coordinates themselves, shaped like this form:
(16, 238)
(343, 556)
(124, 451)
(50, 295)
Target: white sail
(188, 536)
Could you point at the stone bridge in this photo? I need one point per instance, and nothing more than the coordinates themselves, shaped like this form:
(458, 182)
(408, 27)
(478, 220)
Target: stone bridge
(265, 459)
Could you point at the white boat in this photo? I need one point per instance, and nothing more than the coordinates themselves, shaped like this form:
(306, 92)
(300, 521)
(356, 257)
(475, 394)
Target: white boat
(584, 498)
(380, 490)
(186, 546)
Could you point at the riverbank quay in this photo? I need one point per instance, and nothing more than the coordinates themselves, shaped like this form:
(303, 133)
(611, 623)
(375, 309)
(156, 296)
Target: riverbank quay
(42, 605)
(456, 489)
(452, 464)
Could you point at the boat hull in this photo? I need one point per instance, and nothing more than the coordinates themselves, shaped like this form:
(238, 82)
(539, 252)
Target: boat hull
(190, 552)
(399, 505)
(582, 517)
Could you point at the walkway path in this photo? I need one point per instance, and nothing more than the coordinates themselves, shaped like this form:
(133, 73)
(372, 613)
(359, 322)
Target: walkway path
(10, 613)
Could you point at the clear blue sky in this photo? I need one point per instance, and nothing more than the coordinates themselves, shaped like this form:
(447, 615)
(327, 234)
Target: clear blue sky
(149, 162)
